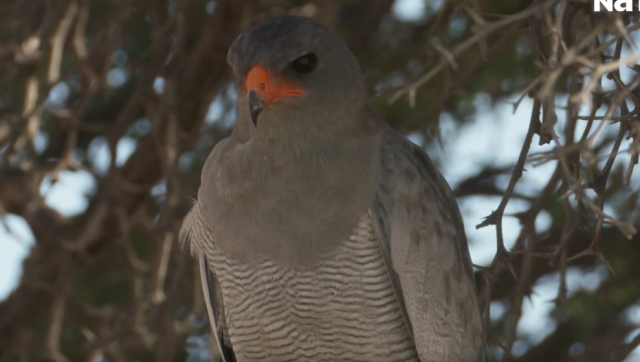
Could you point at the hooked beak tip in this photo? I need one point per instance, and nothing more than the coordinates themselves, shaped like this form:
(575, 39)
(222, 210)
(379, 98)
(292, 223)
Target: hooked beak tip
(256, 105)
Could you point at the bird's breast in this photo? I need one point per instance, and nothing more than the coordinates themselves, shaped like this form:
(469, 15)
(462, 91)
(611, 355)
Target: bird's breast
(342, 309)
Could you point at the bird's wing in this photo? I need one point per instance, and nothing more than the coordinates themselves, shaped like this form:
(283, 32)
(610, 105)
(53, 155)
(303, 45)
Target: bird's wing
(421, 234)
(193, 233)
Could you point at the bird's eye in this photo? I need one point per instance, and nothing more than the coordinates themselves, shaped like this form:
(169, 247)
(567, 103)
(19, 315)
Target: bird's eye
(305, 64)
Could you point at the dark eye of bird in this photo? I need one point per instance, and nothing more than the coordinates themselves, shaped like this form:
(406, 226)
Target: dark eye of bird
(305, 64)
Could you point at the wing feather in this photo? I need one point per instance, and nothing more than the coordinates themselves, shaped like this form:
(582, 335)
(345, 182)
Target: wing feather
(193, 235)
(421, 233)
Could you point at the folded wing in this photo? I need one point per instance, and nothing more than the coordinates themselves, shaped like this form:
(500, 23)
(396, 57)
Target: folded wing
(194, 234)
(421, 233)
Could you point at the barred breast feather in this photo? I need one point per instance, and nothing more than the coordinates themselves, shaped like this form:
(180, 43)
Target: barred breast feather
(342, 309)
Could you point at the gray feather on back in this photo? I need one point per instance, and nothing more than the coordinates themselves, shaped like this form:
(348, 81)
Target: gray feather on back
(421, 233)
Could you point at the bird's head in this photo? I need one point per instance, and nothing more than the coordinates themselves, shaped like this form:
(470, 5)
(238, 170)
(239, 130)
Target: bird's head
(294, 68)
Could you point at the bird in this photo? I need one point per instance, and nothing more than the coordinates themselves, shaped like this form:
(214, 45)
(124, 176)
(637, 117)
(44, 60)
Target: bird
(322, 234)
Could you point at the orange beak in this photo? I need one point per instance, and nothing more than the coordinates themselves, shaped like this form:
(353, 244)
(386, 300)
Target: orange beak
(263, 89)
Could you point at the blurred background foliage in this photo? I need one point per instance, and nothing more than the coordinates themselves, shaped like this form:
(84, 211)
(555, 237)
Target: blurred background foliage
(131, 96)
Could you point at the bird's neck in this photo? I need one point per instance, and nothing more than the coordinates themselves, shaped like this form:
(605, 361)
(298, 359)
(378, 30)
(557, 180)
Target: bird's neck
(296, 198)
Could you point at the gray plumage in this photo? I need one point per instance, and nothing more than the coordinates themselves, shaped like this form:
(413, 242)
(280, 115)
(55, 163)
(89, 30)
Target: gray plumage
(329, 237)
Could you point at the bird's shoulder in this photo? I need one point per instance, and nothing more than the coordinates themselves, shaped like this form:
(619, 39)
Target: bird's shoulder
(421, 234)
(410, 184)
(215, 159)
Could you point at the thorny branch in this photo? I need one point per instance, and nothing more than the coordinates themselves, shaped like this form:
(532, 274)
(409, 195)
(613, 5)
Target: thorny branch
(581, 58)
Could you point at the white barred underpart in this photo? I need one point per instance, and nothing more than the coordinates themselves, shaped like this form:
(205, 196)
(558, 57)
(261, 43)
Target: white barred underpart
(344, 310)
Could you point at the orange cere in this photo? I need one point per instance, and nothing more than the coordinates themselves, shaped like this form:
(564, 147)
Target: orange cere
(270, 87)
